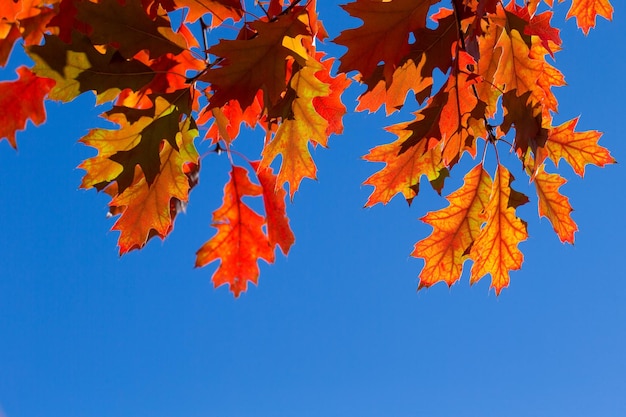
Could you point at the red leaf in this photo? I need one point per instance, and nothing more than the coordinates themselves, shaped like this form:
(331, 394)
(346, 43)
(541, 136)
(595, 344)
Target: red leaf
(240, 240)
(22, 100)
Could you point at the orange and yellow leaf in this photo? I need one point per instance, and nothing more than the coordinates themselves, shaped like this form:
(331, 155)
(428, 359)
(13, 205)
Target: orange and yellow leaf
(454, 230)
(495, 250)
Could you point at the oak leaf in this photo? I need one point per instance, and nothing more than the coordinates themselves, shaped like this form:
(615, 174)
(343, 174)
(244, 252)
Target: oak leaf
(259, 63)
(577, 148)
(294, 134)
(403, 168)
(130, 28)
(240, 240)
(136, 143)
(554, 205)
(28, 89)
(384, 35)
(80, 67)
(146, 208)
(495, 250)
(585, 12)
(454, 230)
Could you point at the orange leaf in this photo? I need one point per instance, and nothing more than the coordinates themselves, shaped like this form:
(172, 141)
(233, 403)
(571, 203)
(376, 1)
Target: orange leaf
(147, 208)
(495, 250)
(220, 10)
(384, 35)
(516, 70)
(330, 106)
(554, 205)
(240, 241)
(278, 230)
(293, 135)
(577, 148)
(454, 230)
(129, 28)
(585, 12)
(21, 100)
(403, 169)
(138, 141)
(259, 63)
(393, 95)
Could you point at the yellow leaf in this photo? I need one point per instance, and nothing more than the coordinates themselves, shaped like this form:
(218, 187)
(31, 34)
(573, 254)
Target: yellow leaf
(454, 230)
(495, 250)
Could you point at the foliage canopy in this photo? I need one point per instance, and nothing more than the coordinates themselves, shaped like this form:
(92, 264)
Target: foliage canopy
(169, 85)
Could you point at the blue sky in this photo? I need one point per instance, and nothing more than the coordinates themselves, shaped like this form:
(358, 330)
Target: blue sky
(334, 329)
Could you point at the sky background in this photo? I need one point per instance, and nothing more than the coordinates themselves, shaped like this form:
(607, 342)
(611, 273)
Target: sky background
(334, 329)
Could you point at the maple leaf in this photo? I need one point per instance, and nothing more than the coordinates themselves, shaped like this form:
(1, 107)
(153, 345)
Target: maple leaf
(240, 240)
(454, 230)
(495, 250)
(29, 90)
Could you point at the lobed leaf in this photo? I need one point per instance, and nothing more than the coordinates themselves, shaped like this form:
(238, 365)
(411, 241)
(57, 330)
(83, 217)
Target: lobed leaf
(554, 205)
(577, 148)
(495, 250)
(294, 133)
(455, 229)
(240, 240)
(29, 90)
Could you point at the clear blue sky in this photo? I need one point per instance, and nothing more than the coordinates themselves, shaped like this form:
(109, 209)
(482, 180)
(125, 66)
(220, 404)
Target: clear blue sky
(335, 329)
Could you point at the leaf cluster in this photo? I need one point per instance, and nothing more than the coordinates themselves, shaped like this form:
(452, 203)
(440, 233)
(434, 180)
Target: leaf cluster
(170, 85)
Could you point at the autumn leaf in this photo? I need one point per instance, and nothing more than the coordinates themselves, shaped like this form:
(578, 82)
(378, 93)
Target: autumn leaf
(259, 63)
(23, 19)
(240, 240)
(146, 207)
(495, 250)
(403, 169)
(130, 27)
(454, 230)
(278, 230)
(136, 143)
(554, 205)
(294, 134)
(79, 67)
(29, 89)
(577, 148)
(516, 70)
(585, 12)
(220, 10)
(478, 72)
(384, 35)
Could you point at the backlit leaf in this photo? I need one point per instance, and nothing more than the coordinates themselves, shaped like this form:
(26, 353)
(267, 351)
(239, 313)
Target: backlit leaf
(240, 240)
(495, 250)
(577, 148)
(28, 89)
(554, 205)
(454, 230)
